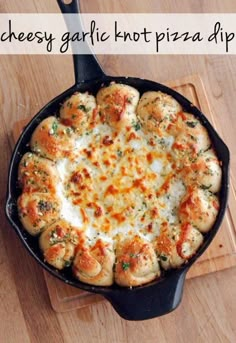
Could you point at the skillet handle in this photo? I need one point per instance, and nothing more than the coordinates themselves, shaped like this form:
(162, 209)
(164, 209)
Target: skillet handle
(86, 67)
(149, 301)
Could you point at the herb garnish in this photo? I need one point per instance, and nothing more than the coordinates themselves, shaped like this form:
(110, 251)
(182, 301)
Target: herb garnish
(84, 108)
(204, 187)
(136, 125)
(44, 206)
(163, 257)
(54, 128)
(69, 131)
(191, 124)
(125, 265)
(119, 153)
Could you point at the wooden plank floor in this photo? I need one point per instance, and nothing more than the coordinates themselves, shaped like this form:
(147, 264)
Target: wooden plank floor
(208, 310)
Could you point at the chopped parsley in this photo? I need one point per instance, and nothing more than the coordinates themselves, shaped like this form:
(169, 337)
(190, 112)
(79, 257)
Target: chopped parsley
(136, 125)
(119, 153)
(53, 237)
(144, 204)
(163, 257)
(162, 142)
(44, 206)
(69, 131)
(133, 255)
(204, 187)
(84, 108)
(125, 265)
(53, 131)
(193, 138)
(191, 124)
(67, 263)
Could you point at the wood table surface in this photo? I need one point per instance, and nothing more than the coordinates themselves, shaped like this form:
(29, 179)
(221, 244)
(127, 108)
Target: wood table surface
(208, 309)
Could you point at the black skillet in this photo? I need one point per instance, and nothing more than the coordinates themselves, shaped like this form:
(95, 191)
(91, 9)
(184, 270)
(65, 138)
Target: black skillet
(160, 296)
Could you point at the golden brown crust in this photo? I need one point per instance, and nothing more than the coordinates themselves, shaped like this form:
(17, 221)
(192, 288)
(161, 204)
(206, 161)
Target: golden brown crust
(157, 110)
(136, 263)
(79, 111)
(37, 174)
(190, 239)
(204, 172)
(58, 243)
(95, 265)
(200, 208)
(37, 210)
(191, 138)
(176, 244)
(52, 140)
(117, 104)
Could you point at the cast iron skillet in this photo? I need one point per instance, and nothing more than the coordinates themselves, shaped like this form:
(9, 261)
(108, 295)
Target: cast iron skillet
(160, 296)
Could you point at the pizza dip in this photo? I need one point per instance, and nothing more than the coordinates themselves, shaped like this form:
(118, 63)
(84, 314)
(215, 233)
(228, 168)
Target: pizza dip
(118, 187)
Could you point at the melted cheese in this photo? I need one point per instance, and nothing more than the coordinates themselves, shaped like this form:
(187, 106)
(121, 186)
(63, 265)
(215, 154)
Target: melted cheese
(116, 184)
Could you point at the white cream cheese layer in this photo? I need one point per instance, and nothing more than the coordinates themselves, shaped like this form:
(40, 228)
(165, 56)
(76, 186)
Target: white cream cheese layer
(118, 184)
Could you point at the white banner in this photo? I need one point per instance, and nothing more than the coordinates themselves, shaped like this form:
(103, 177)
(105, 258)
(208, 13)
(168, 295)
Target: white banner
(132, 33)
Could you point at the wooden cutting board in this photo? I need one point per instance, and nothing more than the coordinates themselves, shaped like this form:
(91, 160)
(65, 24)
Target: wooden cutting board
(220, 255)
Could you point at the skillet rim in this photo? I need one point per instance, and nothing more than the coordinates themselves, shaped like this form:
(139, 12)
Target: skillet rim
(10, 209)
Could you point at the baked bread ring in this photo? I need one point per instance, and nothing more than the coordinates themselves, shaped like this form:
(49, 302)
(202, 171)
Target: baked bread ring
(136, 262)
(157, 110)
(37, 174)
(58, 243)
(200, 208)
(176, 244)
(79, 111)
(117, 104)
(52, 140)
(37, 210)
(94, 265)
